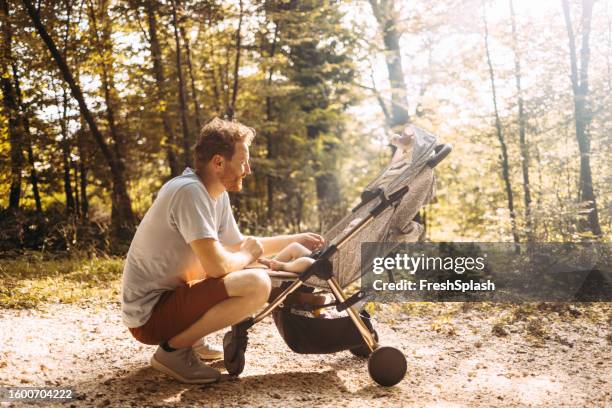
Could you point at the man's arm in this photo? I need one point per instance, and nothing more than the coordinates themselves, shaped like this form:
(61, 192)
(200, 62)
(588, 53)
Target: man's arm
(273, 245)
(218, 261)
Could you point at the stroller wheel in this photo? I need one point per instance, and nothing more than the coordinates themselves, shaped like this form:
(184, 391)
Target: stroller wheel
(387, 366)
(363, 350)
(236, 366)
(233, 354)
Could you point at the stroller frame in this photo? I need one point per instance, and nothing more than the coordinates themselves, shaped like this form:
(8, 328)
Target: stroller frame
(387, 365)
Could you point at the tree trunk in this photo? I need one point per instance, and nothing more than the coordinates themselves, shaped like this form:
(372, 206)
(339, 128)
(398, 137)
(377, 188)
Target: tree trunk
(120, 194)
(500, 135)
(271, 154)
(580, 90)
(28, 134)
(33, 173)
(83, 174)
(123, 219)
(181, 84)
(66, 155)
(381, 102)
(194, 93)
(386, 16)
(160, 80)
(213, 76)
(216, 92)
(212, 71)
(15, 124)
(224, 80)
(522, 125)
(105, 49)
(232, 107)
(77, 204)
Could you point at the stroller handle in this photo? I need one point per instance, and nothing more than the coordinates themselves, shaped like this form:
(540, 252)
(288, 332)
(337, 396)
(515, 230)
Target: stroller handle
(440, 153)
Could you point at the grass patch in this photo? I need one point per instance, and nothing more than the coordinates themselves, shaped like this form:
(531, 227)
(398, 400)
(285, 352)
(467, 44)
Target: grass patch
(33, 279)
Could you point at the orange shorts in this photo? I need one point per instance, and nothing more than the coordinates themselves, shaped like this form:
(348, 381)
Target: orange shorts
(178, 309)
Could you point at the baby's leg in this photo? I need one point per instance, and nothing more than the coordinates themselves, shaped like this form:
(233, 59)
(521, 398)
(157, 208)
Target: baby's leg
(293, 258)
(297, 266)
(291, 252)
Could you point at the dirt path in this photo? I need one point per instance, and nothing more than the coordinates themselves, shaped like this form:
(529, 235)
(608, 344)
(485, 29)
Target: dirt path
(452, 363)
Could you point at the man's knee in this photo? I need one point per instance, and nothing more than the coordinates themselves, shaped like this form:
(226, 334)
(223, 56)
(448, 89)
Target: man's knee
(261, 283)
(253, 283)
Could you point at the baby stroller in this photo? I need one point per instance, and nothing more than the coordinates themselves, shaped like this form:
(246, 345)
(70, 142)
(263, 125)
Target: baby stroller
(386, 213)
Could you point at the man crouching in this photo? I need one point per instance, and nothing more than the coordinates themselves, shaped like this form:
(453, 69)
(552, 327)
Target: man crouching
(185, 274)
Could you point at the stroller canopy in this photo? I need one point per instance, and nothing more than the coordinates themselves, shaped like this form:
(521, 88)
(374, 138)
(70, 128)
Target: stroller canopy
(395, 224)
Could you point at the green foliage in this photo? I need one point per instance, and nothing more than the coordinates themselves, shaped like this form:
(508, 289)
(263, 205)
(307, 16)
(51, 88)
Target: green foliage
(34, 279)
(308, 78)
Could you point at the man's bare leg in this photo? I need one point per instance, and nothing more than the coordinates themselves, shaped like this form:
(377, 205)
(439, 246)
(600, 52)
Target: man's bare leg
(248, 290)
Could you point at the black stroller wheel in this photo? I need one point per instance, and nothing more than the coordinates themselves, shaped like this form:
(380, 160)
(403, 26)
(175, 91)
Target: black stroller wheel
(363, 350)
(387, 366)
(233, 354)
(235, 367)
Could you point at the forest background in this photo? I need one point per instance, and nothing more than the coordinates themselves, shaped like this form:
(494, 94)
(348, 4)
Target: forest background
(103, 99)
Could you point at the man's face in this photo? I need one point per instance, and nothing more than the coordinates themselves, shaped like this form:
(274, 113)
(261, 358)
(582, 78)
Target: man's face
(236, 169)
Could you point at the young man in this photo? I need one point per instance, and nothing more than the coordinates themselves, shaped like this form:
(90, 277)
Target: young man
(185, 274)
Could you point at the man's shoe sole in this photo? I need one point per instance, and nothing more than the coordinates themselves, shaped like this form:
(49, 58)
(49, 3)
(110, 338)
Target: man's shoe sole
(160, 367)
(216, 356)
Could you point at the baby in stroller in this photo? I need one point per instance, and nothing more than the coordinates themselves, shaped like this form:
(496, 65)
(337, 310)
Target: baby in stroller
(295, 257)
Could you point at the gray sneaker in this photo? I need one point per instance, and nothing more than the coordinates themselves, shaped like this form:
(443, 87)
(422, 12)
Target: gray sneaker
(184, 365)
(207, 351)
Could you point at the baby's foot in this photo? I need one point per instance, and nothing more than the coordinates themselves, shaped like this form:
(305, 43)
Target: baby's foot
(277, 265)
(272, 264)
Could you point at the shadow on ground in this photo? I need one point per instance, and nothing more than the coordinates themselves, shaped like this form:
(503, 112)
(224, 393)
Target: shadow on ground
(146, 386)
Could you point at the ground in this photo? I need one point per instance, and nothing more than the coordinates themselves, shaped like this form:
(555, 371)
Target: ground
(458, 356)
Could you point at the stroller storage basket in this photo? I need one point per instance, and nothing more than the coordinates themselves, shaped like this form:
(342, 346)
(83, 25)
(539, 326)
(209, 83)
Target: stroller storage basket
(317, 335)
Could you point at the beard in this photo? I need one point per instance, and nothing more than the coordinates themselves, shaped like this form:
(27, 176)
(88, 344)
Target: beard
(232, 183)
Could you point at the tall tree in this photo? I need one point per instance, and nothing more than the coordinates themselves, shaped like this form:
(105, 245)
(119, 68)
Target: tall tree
(582, 116)
(386, 15)
(65, 145)
(15, 123)
(122, 217)
(28, 140)
(83, 170)
(194, 92)
(499, 132)
(151, 7)
(320, 66)
(524, 148)
(181, 87)
(238, 44)
(101, 34)
(269, 133)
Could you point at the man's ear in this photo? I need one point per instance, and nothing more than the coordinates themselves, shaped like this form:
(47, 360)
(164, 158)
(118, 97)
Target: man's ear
(217, 161)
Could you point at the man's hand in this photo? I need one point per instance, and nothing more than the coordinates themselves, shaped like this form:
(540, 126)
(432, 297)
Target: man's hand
(252, 247)
(310, 240)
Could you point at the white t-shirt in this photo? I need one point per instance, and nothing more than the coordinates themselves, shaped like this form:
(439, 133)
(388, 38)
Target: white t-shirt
(160, 252)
